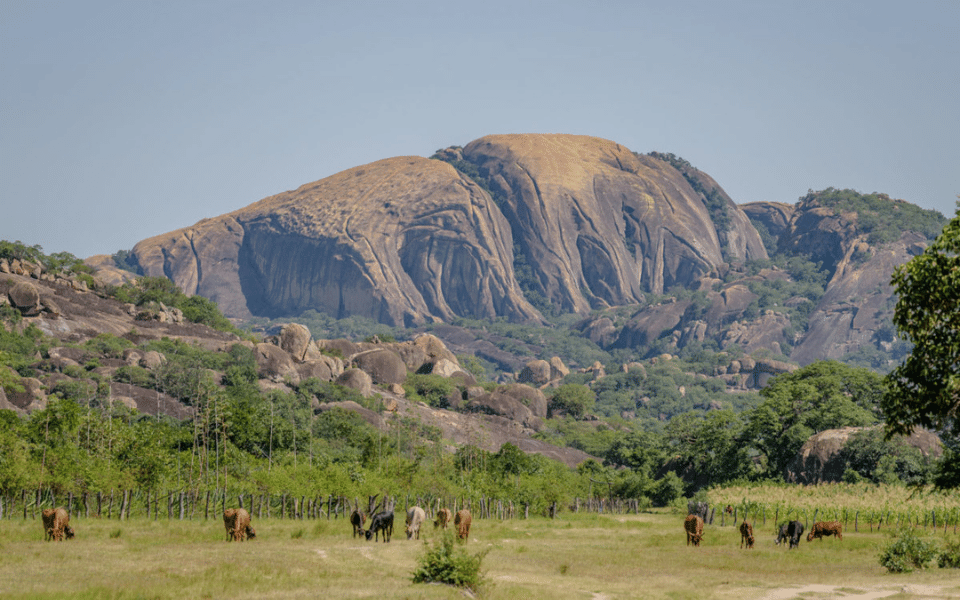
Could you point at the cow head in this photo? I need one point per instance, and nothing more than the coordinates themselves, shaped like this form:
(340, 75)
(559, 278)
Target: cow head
(251, 532)
(68, 531)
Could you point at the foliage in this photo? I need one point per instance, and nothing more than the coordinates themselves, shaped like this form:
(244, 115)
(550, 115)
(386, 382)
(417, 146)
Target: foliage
(906, 552)
(444, 562)
(667, 490)
(822, 395)
(707, 450)
(433, 390)
(574, 399)
(147, 291)
(923, 390)
(877, 215)
(876, 459)
(950, 555)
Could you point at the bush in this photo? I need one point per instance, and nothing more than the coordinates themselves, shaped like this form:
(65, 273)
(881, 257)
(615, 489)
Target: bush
(906, 552)
(445, 563)
(433, 390)
(950, 556)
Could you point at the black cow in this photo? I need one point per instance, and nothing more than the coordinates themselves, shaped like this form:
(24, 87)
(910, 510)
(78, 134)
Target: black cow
(791, 531)
(382, 521)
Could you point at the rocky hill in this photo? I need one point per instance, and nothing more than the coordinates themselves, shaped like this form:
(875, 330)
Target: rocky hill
(77, 318)
(527, 227)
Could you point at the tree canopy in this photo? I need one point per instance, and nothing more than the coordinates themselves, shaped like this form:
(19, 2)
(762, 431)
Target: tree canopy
(924, 390)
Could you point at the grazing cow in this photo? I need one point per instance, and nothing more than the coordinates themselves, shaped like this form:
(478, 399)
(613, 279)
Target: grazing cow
(693, 525)
(56, 524)
(746, 534)
(415, 518)
(822, 528)
(443, 517)
(236, 522)
(790, 531)
(462, 522)
(357, 519)
(382, 521)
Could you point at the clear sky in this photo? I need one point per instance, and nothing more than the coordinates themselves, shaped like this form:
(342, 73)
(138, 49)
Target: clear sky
(123, 120)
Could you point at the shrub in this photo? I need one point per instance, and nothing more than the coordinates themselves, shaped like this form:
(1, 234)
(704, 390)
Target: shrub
(431, 389)
(444, 562)
(950, 556)
(906, 552)
(134, 375)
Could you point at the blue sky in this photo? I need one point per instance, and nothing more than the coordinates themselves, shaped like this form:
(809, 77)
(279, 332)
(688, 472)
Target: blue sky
(124, 120)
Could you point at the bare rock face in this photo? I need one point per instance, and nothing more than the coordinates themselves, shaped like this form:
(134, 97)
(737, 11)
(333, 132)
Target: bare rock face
(512, 402)
(403, 240)
(857, 302)
(599, 224)
(775, 216)
(409, 240)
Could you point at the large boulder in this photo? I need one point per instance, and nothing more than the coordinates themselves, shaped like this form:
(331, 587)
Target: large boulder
(25, 297)
(326, 368)
(356, 379)
(276, 364)
(535, 373)
(819, 460)
(384, 366)
(295, 339)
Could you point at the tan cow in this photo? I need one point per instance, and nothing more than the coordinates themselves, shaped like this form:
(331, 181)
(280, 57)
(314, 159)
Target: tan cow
(56, 524)
(415, 518)
(693, 525)
(462, 522)
(822, 528)
(236, 522)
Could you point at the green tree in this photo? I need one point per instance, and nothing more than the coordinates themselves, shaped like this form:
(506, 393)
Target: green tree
(823, 395)
(924, 390)
(574, 399)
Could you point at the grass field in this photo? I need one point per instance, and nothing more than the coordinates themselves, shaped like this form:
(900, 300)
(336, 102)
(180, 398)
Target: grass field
(575, 556)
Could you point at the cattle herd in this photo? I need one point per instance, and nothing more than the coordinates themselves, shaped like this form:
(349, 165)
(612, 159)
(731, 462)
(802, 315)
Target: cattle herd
(236, 522)
(789, 532)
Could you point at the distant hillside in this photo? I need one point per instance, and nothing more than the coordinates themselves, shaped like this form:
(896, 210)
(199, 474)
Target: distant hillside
(649, 252)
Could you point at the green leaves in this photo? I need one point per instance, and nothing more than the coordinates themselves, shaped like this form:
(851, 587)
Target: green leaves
(924, 391)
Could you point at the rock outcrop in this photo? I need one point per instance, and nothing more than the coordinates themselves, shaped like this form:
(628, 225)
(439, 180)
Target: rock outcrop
(409, 240)
(820, 460)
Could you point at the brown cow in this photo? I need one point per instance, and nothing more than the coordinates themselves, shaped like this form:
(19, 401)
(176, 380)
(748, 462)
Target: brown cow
(357, 519)
(236, 522)
(462, 522)
(693, 525)
(822, 528)
(443, 517)
(56, 524)
(746, 534)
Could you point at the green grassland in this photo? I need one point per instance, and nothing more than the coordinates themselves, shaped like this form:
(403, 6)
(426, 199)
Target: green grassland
(575, 556)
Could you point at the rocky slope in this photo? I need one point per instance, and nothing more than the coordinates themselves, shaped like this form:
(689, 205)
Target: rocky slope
(65, 310)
